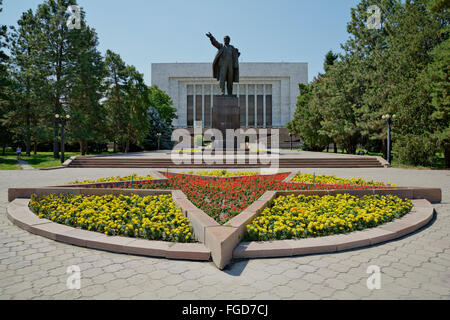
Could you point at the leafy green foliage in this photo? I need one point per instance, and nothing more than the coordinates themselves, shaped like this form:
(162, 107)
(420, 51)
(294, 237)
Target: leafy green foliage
(162, 102)
(401, 68)
(157, 126)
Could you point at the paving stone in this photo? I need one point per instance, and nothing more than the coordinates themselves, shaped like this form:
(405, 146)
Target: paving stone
(322, 291)
(335, 284)
(138, 279)
(189, 286)
(130, 291)
(314, 278)
(417, 266)
(284, 291)
(168, 292)
(307, 268)
(173, 279)
(300, 284)
(93, 290)
(113, 268)
(278, 279)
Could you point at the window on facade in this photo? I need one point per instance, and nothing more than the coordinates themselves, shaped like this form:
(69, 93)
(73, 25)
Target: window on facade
(260, 111)
(190, 110)
(251, 111)
(269, 110)
(207, 120)
(242, 110)
(198, 108)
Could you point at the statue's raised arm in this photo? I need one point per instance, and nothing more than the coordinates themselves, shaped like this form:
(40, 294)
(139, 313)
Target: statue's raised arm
(214, 42)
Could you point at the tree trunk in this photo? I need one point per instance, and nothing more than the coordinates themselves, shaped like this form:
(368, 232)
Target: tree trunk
(335, 147)
(28, 132)
(4, 150)
(35, 147)
(115, 146)
(351, 149)
(127, 145)
(447, 156)
(83, 147)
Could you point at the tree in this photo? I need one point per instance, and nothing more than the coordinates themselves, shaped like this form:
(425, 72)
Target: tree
(126, 102)
(415, 33)
(330, 58)
(157, 126)
(436, 82)
(56, 53)
(27, 71)
(307, 120)
(136, 103)
(114, 96)
(5, 83)
(162, 102)
(338, 97)
(87, 73)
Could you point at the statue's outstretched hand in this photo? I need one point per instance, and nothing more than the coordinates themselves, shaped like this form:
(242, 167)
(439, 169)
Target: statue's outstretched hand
(209, 35)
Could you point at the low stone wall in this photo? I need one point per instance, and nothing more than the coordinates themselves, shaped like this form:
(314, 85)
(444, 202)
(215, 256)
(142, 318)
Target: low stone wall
(19, 214)
(421, 214)
(222, 242)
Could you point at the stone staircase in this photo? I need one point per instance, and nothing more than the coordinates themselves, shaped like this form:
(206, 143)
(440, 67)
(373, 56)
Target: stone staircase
(116, 162)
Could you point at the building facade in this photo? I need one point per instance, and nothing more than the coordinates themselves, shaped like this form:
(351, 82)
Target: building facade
(267, 92)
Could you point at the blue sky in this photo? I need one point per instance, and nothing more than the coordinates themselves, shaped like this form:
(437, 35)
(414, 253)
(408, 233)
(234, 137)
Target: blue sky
(147, 31)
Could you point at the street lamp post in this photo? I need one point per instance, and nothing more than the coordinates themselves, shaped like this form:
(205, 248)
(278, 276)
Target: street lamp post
(389, 119)
(159, 137)
(62, 121)
(290, 137)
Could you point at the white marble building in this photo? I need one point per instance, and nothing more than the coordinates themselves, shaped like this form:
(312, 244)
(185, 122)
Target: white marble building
(273, 86)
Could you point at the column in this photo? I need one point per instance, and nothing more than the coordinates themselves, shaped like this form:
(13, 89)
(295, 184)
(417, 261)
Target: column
(194, 105)
(264, 105)
(203, 106)
(256, 106)
(246, 105)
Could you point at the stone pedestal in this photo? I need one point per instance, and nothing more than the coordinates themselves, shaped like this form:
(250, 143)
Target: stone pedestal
(225, 115)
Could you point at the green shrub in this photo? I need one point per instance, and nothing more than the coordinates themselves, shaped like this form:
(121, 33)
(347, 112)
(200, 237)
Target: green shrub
(415, 149)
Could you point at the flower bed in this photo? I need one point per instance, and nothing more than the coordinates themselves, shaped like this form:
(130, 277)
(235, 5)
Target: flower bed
(130, 177)
(332, 179)
(222, 173)
(151, 217)
(225, 198)
(301, 216)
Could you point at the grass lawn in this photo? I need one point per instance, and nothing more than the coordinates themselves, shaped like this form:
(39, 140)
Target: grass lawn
(40, 160)
(9, 164)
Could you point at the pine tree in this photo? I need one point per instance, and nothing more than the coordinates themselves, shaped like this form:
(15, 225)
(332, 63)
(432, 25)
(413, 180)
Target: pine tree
(58, 41)
(126, 101)
(87, 73)
(5, 87)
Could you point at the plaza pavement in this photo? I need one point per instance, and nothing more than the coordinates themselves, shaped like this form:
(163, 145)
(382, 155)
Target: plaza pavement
(413, 267)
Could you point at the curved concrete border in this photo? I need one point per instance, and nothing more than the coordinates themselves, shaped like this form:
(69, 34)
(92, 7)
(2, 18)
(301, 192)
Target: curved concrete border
(419, 216)
(222, 242)
(19, 214)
